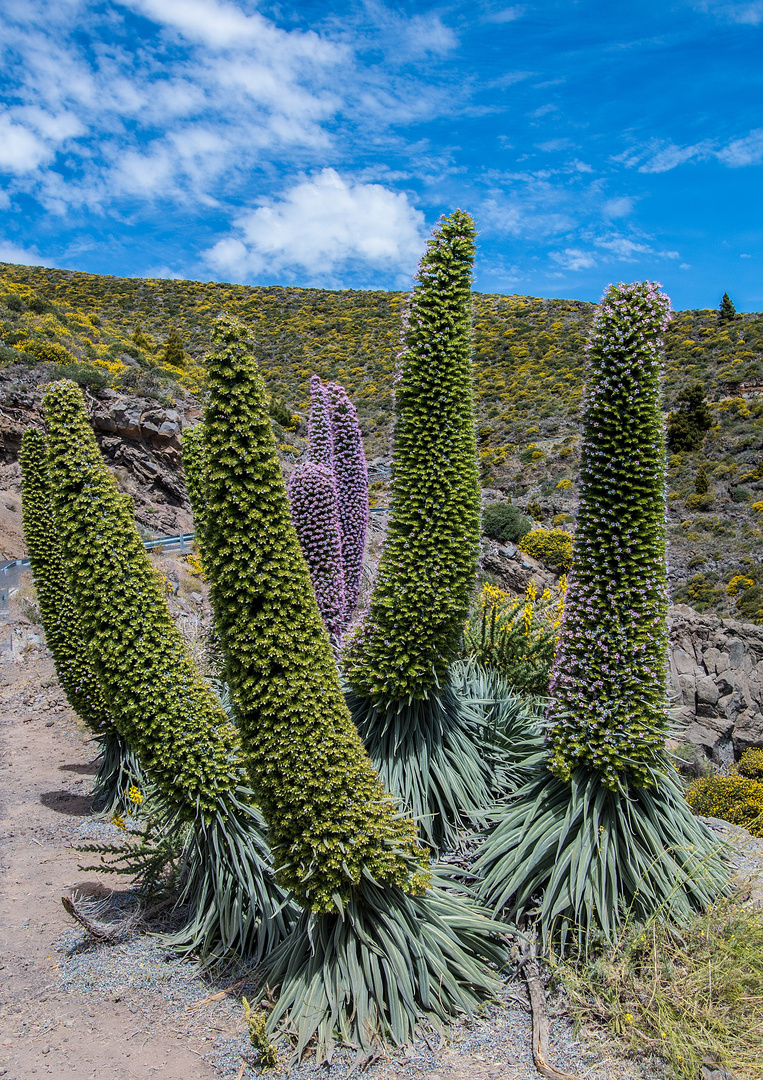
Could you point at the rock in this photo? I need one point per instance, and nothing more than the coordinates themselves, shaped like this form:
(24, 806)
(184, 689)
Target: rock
(716, 676)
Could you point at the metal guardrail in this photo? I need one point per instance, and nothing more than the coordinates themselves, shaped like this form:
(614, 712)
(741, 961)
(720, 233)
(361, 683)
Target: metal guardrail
(170, 541)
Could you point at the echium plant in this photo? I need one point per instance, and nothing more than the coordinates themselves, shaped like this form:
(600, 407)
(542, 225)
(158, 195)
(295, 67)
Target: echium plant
(320, 448)
(422, 734)
(609, 832)
(429, 561)
(159, 702)
(375, 948)
(314, 510)
(608, 688)
(351, 475)
(194, 464)
(63, 629)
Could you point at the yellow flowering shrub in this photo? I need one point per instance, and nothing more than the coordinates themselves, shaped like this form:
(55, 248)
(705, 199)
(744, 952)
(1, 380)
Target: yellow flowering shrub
(751, 763)
(738, 799)
(553, 546)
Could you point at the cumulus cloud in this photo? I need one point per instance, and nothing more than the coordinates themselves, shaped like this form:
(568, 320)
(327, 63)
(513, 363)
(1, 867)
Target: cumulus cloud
(321, 225)
(21, 150)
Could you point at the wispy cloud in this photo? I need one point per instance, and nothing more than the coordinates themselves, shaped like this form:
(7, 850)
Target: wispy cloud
(746, 12)
(319, 226)
(659, 156)
(14, 253)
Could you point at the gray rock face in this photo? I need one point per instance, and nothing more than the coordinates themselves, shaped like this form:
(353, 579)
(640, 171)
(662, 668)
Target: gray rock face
(716, 682)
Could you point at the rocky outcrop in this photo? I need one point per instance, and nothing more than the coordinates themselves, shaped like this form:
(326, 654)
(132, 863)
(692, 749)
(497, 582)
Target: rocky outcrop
(140, 440)
(716, 682)
(513, 569)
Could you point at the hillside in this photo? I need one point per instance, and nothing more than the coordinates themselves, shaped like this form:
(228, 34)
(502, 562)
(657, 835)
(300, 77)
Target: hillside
(110, 334)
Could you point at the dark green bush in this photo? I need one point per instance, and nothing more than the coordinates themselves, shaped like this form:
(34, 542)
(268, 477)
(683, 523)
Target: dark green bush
(502, 521)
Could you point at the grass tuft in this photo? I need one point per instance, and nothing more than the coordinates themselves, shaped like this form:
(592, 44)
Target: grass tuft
(692, 995)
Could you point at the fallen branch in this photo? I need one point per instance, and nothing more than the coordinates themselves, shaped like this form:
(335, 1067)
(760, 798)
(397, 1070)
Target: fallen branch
(531, 973)
(219, 995)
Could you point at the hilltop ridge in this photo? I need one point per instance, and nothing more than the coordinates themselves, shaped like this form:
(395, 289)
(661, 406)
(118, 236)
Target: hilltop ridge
(111, 333)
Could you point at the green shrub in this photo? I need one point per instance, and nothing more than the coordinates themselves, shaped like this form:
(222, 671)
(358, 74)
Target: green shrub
(701, 483)
(738, 799)
(552, 546)
(697, 501)
(740, 494)
(751, 763)
(86, 375)
(502, 521)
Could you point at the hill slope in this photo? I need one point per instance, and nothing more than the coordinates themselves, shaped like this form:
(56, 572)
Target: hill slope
(529, 358)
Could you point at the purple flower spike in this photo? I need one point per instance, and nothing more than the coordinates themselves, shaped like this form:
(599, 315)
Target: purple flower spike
(351, 475)
(312, 494)
(320, 449)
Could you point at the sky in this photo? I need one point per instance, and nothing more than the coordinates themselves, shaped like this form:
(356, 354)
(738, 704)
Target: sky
(317, 144)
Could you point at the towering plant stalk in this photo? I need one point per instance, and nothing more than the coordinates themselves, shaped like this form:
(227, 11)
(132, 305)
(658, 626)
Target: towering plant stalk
(351, 474)
(339, 844)
(159, 702)
(429, 562)
(63, 630)
(194, 464)
(423, 735)
(610, 831)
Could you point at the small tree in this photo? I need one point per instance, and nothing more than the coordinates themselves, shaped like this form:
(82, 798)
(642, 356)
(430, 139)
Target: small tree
(701, 483)
(726, 312)
(691, 419)
(174, 349)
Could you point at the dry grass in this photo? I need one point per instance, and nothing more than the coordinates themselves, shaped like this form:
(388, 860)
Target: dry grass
(690, 995)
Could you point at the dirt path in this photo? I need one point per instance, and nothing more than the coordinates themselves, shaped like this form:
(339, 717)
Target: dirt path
(44, 784)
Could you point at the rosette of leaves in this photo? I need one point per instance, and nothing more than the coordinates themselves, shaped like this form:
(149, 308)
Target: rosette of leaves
(159, 702)
(118, 766)
(609, 831)
(351, 475)
(396, 662)
(314, 510)
(376, 946)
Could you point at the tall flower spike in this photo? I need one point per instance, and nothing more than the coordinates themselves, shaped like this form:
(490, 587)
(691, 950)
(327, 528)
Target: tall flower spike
(429, 561)
(320, 449)
(64, 633)
(313, 499)
(370, 955)
(610, 833)
(608, 686)
(159, 702)
(351, 474)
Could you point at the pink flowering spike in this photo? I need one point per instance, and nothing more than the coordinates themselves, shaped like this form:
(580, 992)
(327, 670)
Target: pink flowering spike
(320, 449)
(351, 475)
(314, 510)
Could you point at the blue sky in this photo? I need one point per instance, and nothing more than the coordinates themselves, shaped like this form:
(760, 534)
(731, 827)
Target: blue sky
(316, 144)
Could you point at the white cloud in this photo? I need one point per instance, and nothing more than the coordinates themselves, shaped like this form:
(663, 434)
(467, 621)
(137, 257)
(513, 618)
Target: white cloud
(12, 253)
(746, 151)
(320, 226)
(748, 12)
(617, 208)
(574, 259)
(670, 156)
(507, 14)
(21, 150)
